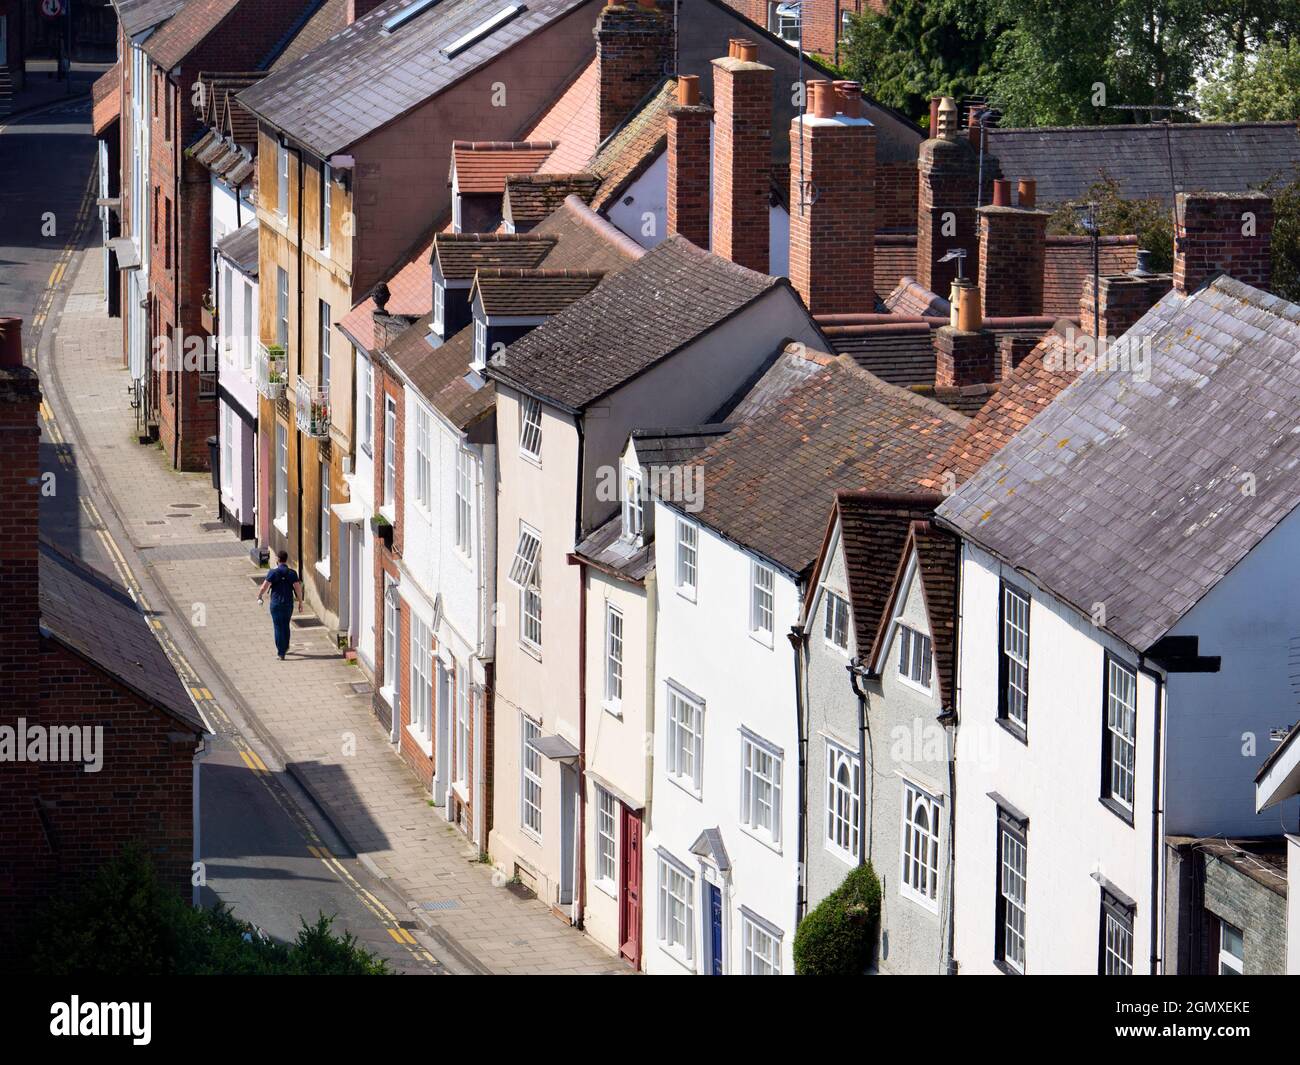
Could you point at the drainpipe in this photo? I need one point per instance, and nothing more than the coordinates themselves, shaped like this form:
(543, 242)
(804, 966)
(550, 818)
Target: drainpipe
(580, 887)
(175, 243)
(1157, 812)
(948, 960)
(858, 672)
(196, 823)
(796, 637)
(296, 432)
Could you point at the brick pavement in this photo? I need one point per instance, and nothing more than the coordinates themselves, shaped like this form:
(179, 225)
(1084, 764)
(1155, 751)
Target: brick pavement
(306, 705)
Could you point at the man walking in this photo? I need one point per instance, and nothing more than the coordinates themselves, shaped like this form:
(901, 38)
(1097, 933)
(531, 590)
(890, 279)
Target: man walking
(285, 586)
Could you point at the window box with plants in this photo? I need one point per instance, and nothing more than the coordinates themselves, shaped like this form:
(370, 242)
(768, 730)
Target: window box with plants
(383, 530)
(272, 371)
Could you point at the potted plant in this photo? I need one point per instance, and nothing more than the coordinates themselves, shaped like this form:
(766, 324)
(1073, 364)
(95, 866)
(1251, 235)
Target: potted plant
(383, 529)
(209, 313)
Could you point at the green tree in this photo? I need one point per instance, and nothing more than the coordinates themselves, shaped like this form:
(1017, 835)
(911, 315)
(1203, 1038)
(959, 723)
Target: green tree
(1262, 87)
(124, 922)
(837, 937)
(1150, 220)
(1286, 237)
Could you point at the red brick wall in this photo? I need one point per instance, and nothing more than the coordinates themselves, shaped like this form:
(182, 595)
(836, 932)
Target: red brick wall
(832, 236)
(896, 194)
(1223, 232)
(689, 172)
(634, 49)
(19, 505)
(964, 358)
(1123, 301)
(1013, 245)
(821, 19)
(742, 161)
(947, 177)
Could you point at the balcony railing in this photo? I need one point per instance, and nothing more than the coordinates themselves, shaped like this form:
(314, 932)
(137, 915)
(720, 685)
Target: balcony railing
(313, 408)
(271, 371)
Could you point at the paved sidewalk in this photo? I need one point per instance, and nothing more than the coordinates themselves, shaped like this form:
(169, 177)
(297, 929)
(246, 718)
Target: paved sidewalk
(308, 705)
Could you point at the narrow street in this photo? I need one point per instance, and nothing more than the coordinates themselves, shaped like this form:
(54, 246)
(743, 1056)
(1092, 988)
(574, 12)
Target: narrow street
(268, 852)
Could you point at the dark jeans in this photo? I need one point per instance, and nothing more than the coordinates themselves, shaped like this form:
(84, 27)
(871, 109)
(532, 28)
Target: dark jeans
(280, 615)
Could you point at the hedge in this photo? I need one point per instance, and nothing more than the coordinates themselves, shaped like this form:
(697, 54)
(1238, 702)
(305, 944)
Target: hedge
(837, 937)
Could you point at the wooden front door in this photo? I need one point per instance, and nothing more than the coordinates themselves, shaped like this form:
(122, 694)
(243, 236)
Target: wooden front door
(629, 894)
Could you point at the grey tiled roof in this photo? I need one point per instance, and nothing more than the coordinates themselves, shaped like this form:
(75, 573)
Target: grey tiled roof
(98, 620)
(363, 77)
(654, 307)
(1210, 157)
(240, 247)
(1129, 493)
(139, 15)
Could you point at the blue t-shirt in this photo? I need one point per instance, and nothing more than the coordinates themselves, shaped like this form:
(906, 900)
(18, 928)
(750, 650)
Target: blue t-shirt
(282, 579)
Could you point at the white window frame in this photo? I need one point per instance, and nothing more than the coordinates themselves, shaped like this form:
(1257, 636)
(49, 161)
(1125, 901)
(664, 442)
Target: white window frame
(1235, 964)
(480, 343)
(915, 656)
(1117, 942)
(1014, 647)
(423, 461)
(464, 697)
(684, 737)
(227, 449)
(389, 502)
(282, 307)
(633, 504)
(530, 616)
(784, 26)
(835, 613)
(530, 428)
(465, 502)
(762, 768)
(919, 846)
(687, 579)
(1121, 724)
(614, 646)
(762, 602)
(326, 208)
(1013, 874)
(282, 181)
(528, 553)
(392, 636)
(421, 700)
(530, 775)
(675, 888)
(323, 326)
(249, 319)
(366, 397)
(439, 308)
(324, 530)
(756, 932)
(280, 503)
(843, 803)
(607, 841)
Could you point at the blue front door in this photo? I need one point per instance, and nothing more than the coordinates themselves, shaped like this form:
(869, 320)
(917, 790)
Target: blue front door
(715, 929)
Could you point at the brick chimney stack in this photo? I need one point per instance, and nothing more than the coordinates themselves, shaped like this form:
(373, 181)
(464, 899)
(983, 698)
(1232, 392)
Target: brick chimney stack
(742, 156)
(832, 213)
(359, 9)
(20, 472)
(1013, 250)
(948, 179)
(1124, 299)
(1222, 232)
(634, 50)
(690, 126)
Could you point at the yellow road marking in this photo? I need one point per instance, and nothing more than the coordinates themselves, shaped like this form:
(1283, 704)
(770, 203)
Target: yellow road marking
(260, 764)
(247, 761)
(393, 932)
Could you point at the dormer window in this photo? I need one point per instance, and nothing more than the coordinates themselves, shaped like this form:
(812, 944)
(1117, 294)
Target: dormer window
(633, 505)
(480, 344)
(440, 310)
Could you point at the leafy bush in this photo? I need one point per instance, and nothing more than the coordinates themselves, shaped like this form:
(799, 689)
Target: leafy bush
(1149, 219)
(125, 922)
(837, 937)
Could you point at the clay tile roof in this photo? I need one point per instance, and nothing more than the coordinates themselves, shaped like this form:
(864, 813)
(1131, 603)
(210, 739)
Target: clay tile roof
(186, 30)
(1127, 488)
(483, 166)
(442, 374)
(901, 353)
(895, 259)
(1026, 391)
(936, 559)
(633, 146)
(364, 77)
(223, 112)
(1068, 263)
(1207, 156)
(530, 198)
(911, 297)
(98, 619)
(410, 293)
(460, 255)
(651, 309)
(585, 240)
(771, 479)
(531, 293)
(573, 122)
(106, 95)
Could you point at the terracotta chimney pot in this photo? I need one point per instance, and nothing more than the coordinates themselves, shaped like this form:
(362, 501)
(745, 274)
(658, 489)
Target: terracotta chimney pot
(1001, 192)
(1027, 192)
(688, 90)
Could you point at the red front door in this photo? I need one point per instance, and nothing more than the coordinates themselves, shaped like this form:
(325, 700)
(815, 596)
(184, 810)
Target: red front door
(629, 922)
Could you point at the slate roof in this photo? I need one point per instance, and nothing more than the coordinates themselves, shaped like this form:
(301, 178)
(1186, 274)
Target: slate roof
(137, 16)
(1025, 392)
(770, 481)
(901, 353)
(460, 255)
(441, 375)
(633, 146)
(1209, 156)
(363, 77)
(531, 293)
(483, 166)
(186, 30)
(651, 309)
(531, 197)
(585, 240)
(1129, 492)
(606, 550)
(240, 247)
(99, 620)
(316, 27)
